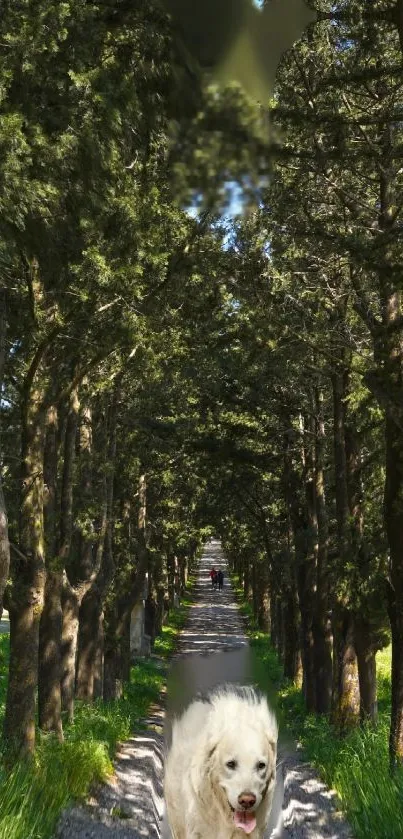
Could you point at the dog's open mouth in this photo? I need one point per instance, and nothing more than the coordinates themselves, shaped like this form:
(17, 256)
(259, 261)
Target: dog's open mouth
(245, 820)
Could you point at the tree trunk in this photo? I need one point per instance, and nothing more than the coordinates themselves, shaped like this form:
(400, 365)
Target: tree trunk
(393, 352)
(4, 547)
(366, 671)
(88, 644)
(246, 578)
(4, 541)
(346, 699)
(291, 636)
(346, 708)
(394, 529)
(255, 598)
(398, 20)
(171, 577)
(29, 575)
(391, 372)
(280, 628)
(119, 612)
(49, 672)
(183, 574)
(85, 574)
(70, 606)
(59, 542)
(273, 611)
(126, 656)
(321, 628)
(91, 637)
(301, 513)
(305, 592)
(98, 667)
(113, 674)
(395, 609)
(263, 597)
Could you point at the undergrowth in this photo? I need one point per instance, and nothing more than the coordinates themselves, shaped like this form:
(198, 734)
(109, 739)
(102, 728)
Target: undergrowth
(33, 795)
(357, 766)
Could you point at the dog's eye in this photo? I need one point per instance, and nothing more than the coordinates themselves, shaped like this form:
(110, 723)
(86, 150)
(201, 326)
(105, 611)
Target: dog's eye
(261, 765)
(231, 764)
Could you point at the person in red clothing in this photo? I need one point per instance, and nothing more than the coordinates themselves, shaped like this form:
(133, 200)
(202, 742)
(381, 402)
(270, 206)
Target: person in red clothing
(213, 577)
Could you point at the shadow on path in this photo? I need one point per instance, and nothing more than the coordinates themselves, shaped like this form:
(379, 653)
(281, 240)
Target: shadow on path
(212, 649)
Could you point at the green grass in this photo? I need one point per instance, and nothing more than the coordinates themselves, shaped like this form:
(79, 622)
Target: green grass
(356, 767)
(32, 796)
(165, 645)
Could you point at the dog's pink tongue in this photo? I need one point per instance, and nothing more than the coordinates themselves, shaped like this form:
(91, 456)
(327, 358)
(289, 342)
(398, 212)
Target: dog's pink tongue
(245, 821)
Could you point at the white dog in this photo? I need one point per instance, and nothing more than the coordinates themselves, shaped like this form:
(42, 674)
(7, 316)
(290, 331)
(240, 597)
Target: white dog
(221, 768)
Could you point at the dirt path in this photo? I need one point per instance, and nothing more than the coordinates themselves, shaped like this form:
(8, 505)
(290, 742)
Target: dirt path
(212, 649)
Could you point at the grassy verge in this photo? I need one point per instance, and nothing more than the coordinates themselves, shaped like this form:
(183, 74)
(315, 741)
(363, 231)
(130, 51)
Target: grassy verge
(357, 767)
(33, 796)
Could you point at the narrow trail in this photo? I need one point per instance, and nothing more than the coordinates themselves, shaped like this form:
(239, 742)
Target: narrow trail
(212, 648)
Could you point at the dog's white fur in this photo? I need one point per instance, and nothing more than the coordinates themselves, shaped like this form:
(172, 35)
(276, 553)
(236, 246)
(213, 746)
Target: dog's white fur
(235, 726)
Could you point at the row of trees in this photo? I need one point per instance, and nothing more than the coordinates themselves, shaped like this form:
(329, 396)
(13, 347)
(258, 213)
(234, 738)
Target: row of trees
(317, 525)
(163, 372)
(108, 287)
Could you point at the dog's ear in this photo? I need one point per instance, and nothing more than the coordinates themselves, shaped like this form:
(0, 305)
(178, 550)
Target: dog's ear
(202, 771)
(270, 727)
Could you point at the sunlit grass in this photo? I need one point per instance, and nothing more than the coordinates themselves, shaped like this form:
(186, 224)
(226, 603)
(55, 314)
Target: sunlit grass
(356, 767)
(33, 796)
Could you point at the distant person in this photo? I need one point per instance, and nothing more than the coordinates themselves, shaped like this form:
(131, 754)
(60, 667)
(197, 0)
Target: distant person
(220, 580)
(213, 577)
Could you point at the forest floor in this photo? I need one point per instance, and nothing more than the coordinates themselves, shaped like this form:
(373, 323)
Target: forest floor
(212, 648)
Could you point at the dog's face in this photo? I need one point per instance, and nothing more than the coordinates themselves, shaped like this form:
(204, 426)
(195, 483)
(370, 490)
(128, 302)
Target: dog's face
(244, 769)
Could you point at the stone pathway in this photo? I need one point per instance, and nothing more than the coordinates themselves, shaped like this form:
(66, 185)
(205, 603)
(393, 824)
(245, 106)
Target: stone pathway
(4, 623)
(212, 649)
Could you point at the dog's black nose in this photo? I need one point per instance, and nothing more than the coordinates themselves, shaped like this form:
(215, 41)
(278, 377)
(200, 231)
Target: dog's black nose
(246, 800)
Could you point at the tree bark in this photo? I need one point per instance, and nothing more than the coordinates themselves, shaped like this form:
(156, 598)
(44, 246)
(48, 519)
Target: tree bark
(321, 624)
(91, 636)
(280, 628)
(398, 21)
(49, 697)
(346, 708)
(118, 622)
(52, 645)
(300, 504)
(246, 578)
(273, 617)
(71, 599)
(254, 581)
(78, 581)
(394, 528)
(89, 639)
(291, 636)
(120, 610)
(366, 658)
(29, 575)
(391, 371)
(4, 541)
(263, 597)
(346, 700)
(49, 672)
